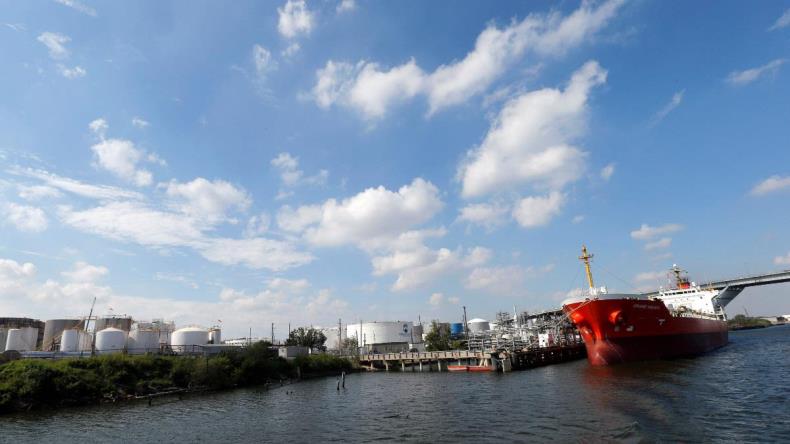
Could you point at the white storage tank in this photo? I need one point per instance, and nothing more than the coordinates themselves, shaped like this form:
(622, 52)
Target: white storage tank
(386, 332)
(70, 340)
(21, 339)
(143, 341)
(188, 339)
(54, 328)
(110, 340)
(478, 325)
(86, 341)
(16, 340)
(215, 336)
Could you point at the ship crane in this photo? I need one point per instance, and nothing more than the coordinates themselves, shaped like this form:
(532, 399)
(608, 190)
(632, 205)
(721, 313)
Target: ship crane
(585, 257)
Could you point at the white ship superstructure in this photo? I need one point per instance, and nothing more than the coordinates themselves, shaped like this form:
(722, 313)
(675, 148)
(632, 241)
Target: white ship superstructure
(689, 299)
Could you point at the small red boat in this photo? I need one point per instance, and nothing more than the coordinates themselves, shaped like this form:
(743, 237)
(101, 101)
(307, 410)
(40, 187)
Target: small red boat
(457, 368)
(469, 368)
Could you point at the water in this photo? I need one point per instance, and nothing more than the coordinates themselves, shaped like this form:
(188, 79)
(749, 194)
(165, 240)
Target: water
(738, 393)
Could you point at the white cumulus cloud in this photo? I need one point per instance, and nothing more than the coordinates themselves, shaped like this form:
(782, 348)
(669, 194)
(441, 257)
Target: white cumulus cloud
(72, 73)
(262, 61)
(139, 223)
(770, 185)
(25, 218)
(209, 200)
(120, 156)
(346, 6)
(646, 231)
(366, 87)
(37, 192)
(607, 172)
(56, 44)
(664, 242)
(85, 272)
(139, 122)
(256, 253)
(78, 6)
(507, 280)
(489, 215)
(782, 260)
(782, 22)
(376, 90)
(416, 267)
(531, 140)
(535, 211)
(372, 214)
(295, 19)
(292, 176)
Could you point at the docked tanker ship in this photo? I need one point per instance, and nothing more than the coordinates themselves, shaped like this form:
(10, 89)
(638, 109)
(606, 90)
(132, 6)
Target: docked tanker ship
(685, 320)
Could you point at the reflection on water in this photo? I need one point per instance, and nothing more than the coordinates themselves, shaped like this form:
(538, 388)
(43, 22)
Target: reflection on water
(738, 393)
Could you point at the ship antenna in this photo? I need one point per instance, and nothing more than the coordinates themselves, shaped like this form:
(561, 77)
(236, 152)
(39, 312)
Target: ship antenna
(585, 257)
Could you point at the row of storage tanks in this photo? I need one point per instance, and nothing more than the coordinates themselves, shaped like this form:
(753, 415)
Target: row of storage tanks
(146, 340)
(113, 334)
(393, 332)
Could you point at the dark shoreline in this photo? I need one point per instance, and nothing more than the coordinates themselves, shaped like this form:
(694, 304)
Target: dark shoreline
(28, 384)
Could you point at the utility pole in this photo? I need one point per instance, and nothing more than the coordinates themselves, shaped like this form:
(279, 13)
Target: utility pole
(466, 330)
(93, 338)
(340, 335)
(272, 333)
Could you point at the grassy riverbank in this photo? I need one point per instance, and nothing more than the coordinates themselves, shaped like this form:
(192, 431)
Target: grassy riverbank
(30, 384)
(741, 322)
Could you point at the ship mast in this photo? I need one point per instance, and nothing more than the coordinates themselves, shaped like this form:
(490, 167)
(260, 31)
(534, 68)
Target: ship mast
(585, 257)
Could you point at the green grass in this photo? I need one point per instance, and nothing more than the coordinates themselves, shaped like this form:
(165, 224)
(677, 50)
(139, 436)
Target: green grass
(29, 384)
(741, 321)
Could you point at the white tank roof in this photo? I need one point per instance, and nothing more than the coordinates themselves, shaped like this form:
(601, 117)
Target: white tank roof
(476, 320)
(192, 329)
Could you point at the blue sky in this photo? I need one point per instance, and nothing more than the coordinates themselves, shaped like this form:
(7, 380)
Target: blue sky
(258, 162)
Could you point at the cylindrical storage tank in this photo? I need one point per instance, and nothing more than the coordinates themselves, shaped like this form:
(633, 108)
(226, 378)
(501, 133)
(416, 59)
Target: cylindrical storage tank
(386, 332)
(142, 341)
(110, 340)
(478, 325)
(15, 340)
(53, 329)
(21, 339)
(120, 322)
(86, 341)
(457, 329)
(215, 336)
(70, 340)
(188, 339)
(31, 336)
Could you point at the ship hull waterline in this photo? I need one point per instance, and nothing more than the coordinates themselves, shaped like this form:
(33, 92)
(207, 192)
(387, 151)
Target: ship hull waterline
(626, 330)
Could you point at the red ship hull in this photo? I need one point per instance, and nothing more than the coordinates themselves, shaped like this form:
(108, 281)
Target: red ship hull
(624, 330)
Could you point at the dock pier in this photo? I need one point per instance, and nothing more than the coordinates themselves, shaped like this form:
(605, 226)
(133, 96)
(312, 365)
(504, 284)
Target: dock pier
(503, 361)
